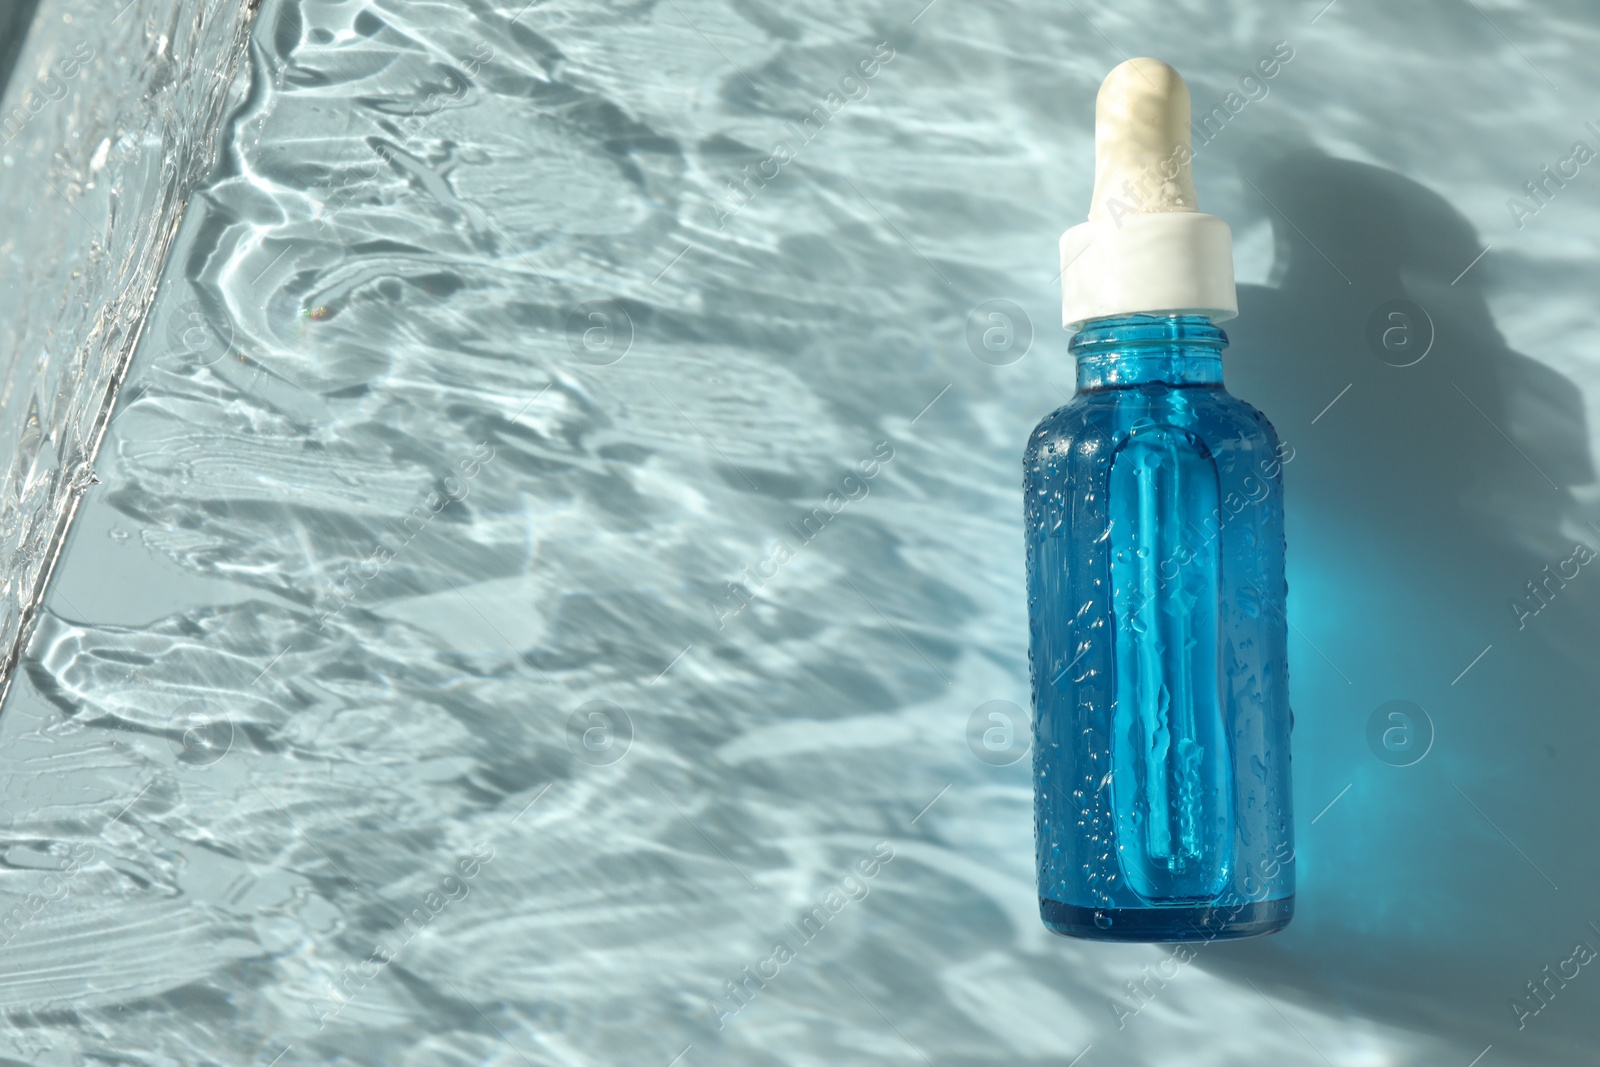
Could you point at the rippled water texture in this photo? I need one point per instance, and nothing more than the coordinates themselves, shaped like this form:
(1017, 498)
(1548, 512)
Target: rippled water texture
(106, 125)
(392, 706)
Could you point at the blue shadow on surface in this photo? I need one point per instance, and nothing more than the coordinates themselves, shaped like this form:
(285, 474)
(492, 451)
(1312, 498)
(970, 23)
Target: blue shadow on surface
(15, 18)
(1444, 856)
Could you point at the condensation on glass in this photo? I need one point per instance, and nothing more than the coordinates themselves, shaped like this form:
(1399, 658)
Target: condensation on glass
(1158, 645)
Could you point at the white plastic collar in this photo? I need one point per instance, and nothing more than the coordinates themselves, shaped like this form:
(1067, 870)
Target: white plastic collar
(1173, 263)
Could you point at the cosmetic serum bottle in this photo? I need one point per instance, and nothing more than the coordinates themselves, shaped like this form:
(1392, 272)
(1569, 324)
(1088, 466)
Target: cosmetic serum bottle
(1155, 548)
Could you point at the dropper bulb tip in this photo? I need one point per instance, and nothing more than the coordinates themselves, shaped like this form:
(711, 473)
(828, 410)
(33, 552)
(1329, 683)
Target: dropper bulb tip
(1141, 141)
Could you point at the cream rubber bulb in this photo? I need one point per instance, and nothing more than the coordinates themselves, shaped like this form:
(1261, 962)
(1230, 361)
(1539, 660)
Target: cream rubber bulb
(1141, 141)
(1146, 248)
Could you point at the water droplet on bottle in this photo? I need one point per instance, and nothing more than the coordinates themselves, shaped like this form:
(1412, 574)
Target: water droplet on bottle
(1102, 920)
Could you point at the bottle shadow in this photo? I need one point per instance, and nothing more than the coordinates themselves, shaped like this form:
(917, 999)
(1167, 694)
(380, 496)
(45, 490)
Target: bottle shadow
(16, 17)
(1438, 556)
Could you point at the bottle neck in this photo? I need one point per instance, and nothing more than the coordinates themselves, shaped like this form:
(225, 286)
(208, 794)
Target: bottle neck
(1144, 349)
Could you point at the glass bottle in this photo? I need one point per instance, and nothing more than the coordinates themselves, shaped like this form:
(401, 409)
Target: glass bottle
(1155, 554)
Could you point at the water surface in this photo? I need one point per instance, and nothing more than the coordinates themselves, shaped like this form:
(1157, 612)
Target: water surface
(470, 388)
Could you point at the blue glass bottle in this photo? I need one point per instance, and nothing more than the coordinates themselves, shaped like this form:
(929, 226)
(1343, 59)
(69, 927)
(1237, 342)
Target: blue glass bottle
(1158, 645)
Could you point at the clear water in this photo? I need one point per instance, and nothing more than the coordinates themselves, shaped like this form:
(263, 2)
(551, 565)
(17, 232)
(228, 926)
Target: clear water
(107, 124)
(1154, 512)
(279, 747)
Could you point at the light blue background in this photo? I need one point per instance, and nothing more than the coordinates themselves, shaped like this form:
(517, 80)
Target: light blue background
(386, 297)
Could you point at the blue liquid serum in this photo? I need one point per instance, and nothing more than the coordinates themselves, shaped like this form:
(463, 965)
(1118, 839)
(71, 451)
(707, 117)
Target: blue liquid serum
(1155, 558)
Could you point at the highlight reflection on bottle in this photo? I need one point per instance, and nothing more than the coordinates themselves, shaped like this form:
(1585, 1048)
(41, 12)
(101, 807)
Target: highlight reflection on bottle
(1155, 572)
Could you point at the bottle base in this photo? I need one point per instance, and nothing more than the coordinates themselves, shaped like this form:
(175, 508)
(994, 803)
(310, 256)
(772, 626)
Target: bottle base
(1196, 922)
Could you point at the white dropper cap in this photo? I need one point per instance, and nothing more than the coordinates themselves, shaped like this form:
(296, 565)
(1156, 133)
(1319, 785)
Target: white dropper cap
(1146, 249)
